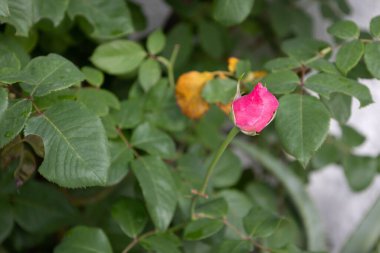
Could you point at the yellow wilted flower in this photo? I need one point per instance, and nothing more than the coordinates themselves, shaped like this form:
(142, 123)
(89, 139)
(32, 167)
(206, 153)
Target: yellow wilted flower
(232, 62)
(188, 93)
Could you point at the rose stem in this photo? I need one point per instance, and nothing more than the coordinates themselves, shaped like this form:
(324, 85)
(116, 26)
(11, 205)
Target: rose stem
(233, 132)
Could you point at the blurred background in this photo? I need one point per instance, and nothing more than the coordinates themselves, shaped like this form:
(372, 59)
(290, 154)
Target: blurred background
(342, 211)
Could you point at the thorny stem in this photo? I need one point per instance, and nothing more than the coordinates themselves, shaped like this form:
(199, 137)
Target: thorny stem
(234, 131)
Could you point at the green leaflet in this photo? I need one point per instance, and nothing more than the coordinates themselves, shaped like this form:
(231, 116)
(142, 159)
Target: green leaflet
(325, 84)
(202, 228)
(371, 56)
(156, 42)
(45, 74)
(69, 161)
(13, 120)
(23, 14)
(118, 57)
(84, 239)
(231, 12)
(109, 19)
(344, 29)
(131, 216)
(349, 55)
(41, 208)
(153, 141)
(302, 123)
(152, 173)
(98, 100)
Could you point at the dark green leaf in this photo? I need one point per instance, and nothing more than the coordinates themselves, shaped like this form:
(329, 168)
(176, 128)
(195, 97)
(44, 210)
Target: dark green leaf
(69, 161)
(83, 239)
(182, 36)
(93, 76)
(9, 63)
(118, 57)
(235, 246)
(360, 171)
(3, 100)
(156, 42)
(281, 82)
(302, 124)
(281, 64)
(351, 137)
(45, 74)
(158, 96)
(158, 188)
(6, 219)
(371, 58)
(202, 228)
(325, 84)
(260, 222)
(344, 29)
(211, 39)
(323, 65)
(153, 141)
(97, 100)
(162, 243)
(286, 232)
(131, 216)
(41, 208)
(121, 155)
(219, 90)
(262, 195)
(243, 68)
(130, 113)
(217, 208)
(374, 27)
(229, 12)
(13, 120)
(238, 207)
(11, 44)
(109, 20)
(339, 106)
(327, 154)
(149, 73)
(227, 171)
(349, 55)
(24, 14)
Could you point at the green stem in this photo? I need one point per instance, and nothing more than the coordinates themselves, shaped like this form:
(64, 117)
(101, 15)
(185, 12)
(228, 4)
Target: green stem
(231, 135)
(169, 64)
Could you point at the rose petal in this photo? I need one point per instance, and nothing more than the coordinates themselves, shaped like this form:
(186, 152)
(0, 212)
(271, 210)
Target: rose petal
(253, 112)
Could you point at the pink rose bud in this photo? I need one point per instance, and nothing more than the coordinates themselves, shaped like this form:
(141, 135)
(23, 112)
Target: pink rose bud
(254, 111)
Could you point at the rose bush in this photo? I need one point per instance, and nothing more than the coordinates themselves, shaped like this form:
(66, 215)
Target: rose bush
(114, 138)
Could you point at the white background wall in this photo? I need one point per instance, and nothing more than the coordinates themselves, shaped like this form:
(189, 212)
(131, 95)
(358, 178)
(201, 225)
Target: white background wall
(341, 210)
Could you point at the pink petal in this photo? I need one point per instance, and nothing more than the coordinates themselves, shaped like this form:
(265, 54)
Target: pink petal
(253, 112)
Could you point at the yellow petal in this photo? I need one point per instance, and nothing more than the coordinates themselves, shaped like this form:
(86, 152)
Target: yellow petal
(232, 62)
(188, 93)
